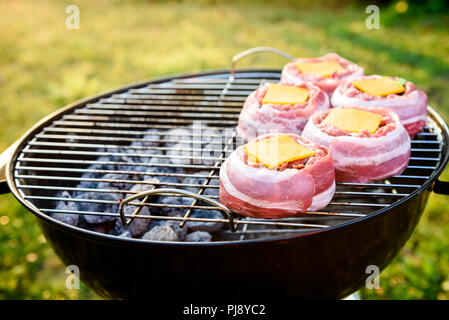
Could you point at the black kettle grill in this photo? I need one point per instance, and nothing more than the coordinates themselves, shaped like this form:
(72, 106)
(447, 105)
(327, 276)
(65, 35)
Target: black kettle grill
(322, 254)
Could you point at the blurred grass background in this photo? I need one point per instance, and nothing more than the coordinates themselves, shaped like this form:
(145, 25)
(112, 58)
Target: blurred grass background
(44, 66)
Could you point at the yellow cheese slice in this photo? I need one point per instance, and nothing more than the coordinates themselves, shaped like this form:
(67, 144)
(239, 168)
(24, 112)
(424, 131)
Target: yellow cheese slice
(252, 159)
(322, 69)
(379, 86)
(353, 120)
(277, 150)
(282, 94)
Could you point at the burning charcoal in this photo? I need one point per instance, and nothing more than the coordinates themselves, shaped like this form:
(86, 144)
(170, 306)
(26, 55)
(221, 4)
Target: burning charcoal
(161, 233)
(68, 218)
(99, 207)
(199, 236)
(139, 226)
(205, 226)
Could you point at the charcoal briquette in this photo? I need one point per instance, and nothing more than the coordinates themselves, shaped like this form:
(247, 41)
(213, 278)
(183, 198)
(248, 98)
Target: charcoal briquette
(199, 236)
(161, 233)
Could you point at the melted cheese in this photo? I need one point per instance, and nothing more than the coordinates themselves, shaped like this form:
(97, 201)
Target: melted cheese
(353, 120)
(282, 94)
(379, 86)
(277, 150)
(322, 69)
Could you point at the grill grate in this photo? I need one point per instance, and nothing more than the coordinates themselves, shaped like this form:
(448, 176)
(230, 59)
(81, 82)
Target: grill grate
(122, 139)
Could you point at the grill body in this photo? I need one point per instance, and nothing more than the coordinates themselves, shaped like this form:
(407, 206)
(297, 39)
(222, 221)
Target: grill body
(321, 265)
(317, 263)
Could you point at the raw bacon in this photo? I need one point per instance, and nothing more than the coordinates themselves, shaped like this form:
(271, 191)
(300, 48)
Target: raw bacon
(256, 191)
(363, 157)
(257, 119)
(291, 74)
(411, 105)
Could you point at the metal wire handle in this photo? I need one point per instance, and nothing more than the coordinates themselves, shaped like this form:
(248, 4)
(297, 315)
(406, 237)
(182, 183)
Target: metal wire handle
(4, 159)
(223, 209)
(245, 53)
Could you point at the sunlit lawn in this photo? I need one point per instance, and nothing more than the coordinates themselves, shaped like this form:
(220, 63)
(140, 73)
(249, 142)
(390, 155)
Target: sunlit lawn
(44, 66)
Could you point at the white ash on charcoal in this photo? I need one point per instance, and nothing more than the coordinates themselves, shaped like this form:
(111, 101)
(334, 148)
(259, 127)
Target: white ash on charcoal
(181, 233)
(66, 205)
(161, 233)
(140, 225)
(112, 207)
(199, 236)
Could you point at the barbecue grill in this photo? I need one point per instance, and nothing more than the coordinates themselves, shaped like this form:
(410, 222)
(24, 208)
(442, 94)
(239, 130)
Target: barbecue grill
(321, 254)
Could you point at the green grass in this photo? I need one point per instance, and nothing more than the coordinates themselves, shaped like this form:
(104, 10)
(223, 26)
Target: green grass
(44, 66)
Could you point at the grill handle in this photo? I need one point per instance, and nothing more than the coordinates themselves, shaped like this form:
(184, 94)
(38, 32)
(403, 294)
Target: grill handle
(441, 187)
(4, 159)
(245, 53)
(223, 209)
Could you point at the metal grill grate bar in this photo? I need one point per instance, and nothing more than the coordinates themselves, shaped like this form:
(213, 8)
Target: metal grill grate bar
(110, 137)
(152, 217)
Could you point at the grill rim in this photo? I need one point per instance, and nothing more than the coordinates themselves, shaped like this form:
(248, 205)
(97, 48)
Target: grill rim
(96, 236)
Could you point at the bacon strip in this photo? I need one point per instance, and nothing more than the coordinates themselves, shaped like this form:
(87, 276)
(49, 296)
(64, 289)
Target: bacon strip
(257, 119)
(411, 106)
(257, 191)
(364, 158)
(292, 75)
